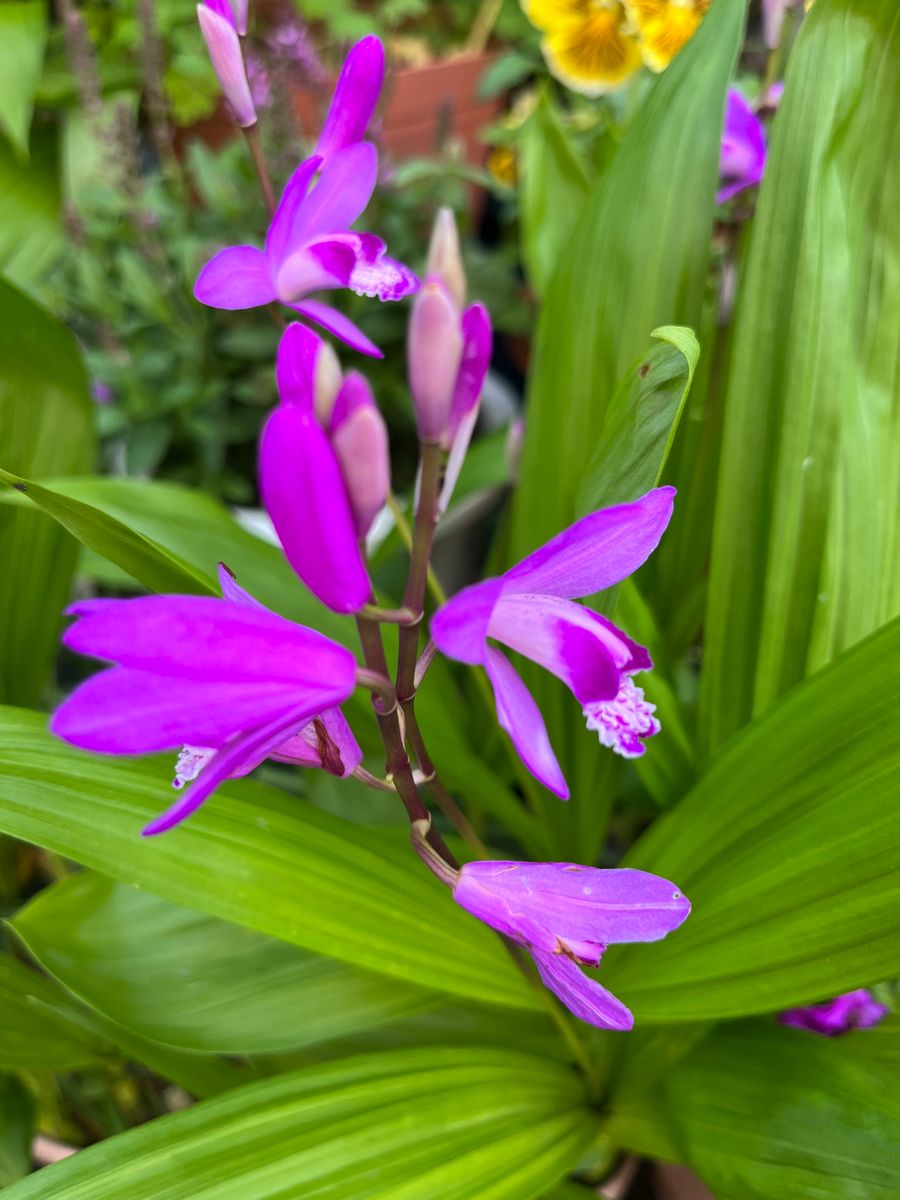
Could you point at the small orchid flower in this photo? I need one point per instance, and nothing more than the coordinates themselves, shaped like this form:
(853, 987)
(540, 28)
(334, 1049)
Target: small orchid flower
(206, 674)
(743, 150)
(324, 470)
(566, 915)
(309, 244)
(530, 609)
(355, 97)
(220, 29)
(851, 1010)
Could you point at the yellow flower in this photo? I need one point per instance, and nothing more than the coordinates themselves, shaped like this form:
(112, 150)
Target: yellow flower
(664, 27)
(589, 43)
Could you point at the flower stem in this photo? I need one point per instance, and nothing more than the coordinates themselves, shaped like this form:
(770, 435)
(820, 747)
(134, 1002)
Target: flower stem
(391, 616)
(434, 584)
(254, 145)
(419, 557)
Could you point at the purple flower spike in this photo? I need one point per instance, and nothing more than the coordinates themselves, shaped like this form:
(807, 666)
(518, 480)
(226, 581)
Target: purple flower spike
(530, 609)
(743, 151)
(851, 1010)
(355, 97)
(227, 680)
(220, 32)
(566, 915)
(305, 476)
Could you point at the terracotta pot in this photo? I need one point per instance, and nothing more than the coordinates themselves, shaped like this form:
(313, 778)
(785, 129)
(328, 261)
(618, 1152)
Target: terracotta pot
(678, 1183)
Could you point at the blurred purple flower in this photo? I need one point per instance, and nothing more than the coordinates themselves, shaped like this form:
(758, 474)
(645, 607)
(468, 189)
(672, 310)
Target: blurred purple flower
(851, 1010)
(743, 151)
(566, 915)
(309, 245)
(259, 81)
(530, 609)
(101, 393)
(291, 43)
(323, 471)
(207, 674)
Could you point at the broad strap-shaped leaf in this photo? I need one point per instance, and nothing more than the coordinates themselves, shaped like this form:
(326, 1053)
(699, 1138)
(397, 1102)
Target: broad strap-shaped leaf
(45, 426)
(23, 36)
(41, 1029)
(455, 1122)
(787, 849)
(196, 982)
(17, 1120)
(807, 539)
(255, 856)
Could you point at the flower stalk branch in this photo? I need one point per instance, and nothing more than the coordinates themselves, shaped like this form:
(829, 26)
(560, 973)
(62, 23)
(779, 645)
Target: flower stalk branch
(254, 145)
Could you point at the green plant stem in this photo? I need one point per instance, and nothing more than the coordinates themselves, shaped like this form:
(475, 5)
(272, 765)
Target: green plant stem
(442, 796)
(406, 536)
(417, 581)
(254, 145)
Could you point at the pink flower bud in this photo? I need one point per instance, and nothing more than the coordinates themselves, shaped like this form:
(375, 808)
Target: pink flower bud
(360, 440)
(444, 257)
(327, 381)
(241, 9)
(433, 350)
(218, 27)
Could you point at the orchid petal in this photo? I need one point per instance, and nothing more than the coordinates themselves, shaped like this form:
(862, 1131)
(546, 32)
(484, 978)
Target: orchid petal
(327, 741)
(581, 995)
(743, 146)
(236, 277)
(339, 325)
(377, 275)
(521, 718)
(238, 758)
(315, 267)
(476, 356)
(460, 627)
(207, 638)
(295, 367)
(305, 496)
(596, 552)
(282, 238)
(355, 97)
(344, 189)
(231, 590)
(218, 28)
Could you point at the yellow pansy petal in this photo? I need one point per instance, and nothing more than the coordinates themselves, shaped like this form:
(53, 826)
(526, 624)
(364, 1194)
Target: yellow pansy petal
(646, 10)
(662, 37)
(550, 15)
(595, 56)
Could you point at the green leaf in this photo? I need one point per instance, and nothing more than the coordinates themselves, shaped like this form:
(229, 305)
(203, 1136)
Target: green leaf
(807, 536)
(763, 1111)
(255, 856)
(16, 1128)
(45, 426)
(787, 849)
(554, 188)
(23, 36)
(196, 982)
(640, 422)
(457, 1122)
(40, 1030)
(149, 563)
(31, 238)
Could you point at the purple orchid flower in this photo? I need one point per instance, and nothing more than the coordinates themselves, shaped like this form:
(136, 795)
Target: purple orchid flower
(220, 28)
(207, 674)
(309, 244)
(324, 470)
(566, 915)
(743, 150)
(531, 610)
(851, 1010)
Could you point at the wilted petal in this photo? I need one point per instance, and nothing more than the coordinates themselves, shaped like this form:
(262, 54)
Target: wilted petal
(521, 718)
(598, 551)
(237, 277)
(282, 237)
(582, 996)
(460, 627)
(305, 496)
(339, 325)
(355, 97)
(327, 742)
(344, 189)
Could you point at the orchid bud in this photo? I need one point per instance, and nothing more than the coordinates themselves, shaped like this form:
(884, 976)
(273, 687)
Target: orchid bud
(218, 27)
(444, 257)
(434, 349)
(476, 357)
(241, 12)
(327, 381)
(360, 440)
(355, 97)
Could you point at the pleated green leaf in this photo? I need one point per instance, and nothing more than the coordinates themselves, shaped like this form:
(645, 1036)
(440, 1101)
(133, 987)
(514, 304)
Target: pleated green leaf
(16, 1128)
(45, 427)
(23, 36)
(762, 1111)
(195, 982)
(806, 551)
(451, 1122)
(255, 856)
(39, 1030)
(788, 850)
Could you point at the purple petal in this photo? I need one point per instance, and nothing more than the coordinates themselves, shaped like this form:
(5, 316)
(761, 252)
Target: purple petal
(360, 440)
(282, 238)
(582, 996)
(852, 1010)
(623, 723)
(205, 638)
(240, 756)
(340, 196)
(339, 325)
(123, 711)
(237, 277)
(521, 718)
(327, 741)
(743, 148)
(433, 353)
(376, 275)
(596, 552)
(295, 367)
(477, 347)
(460, 627)
(231, 590)
(241, 8)
(734, 189)
(355, 97)
(224, 46)
(317, 266)
(305, 496)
